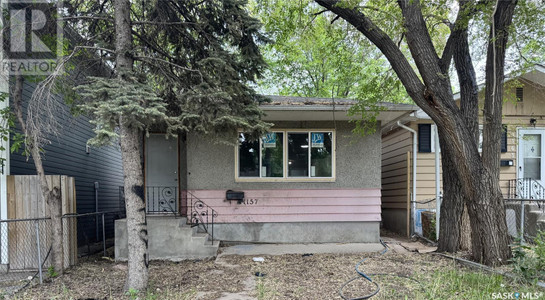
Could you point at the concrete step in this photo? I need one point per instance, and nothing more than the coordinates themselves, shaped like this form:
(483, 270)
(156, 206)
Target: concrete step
(169, 239)
(537, 215)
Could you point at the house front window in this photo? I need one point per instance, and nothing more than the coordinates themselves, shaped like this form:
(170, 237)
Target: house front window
(286, 155)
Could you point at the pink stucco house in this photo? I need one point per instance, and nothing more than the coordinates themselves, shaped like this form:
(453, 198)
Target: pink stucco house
(310, 180)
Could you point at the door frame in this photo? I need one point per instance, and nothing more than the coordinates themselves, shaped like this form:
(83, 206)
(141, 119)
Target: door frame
(181, 202)
(520, 161)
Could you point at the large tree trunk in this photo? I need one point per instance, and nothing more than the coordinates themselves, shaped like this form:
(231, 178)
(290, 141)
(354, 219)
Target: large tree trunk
(451, 208)
(130, 138)
(487, 212)
(432, 92)
(52, 195)
(454, 216)
(137, 277)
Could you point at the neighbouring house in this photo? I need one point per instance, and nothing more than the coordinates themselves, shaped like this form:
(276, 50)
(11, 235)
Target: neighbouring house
(309, 180)
(97, 172)
(522, 158)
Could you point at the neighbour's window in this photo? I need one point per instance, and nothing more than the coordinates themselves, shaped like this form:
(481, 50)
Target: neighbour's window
(503, 138)
(299, 154)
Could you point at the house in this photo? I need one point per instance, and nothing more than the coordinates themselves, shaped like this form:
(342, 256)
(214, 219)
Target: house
(97, 171)
(521, 158)
(310, 180)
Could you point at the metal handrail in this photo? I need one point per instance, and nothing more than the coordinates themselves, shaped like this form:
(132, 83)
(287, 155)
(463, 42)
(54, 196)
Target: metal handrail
(201, 214)
(159, 199)
(24, 220)
(75, 215)
(525, 188)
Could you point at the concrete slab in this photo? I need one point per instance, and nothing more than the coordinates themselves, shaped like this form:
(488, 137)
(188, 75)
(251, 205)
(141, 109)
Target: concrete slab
(279, 249)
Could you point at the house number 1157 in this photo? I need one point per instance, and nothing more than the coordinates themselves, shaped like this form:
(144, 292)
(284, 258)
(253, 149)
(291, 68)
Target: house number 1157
(249, 201)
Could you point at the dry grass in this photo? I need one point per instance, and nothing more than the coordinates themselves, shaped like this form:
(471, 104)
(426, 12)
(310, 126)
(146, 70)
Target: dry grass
(286, 277)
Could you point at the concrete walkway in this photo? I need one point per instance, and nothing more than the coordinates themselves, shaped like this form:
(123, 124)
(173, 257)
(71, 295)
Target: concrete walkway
(279, 249)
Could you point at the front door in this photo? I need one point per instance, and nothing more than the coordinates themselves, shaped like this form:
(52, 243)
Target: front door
(161, 174)
(531, 160)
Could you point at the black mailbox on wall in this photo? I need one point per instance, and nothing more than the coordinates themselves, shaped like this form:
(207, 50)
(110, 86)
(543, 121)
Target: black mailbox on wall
(506, 162)
(234, 195)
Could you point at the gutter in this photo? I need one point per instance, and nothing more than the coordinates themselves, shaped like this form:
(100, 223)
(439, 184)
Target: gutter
(413, 200)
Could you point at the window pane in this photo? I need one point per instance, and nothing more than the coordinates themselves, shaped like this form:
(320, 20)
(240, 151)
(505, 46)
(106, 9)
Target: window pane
(298, 154)
(320, 154)
(272, 164)
(248, 157)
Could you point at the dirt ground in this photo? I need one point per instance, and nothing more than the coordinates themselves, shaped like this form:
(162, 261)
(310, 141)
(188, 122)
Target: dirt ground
(294, 276)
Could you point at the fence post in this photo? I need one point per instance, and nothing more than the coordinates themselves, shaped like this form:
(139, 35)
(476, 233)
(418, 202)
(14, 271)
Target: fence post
(103, 236)
(39, 253)
(212, 228)
(522, 221)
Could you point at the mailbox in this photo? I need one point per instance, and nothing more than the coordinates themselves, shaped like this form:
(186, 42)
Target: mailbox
(506, 162)
(234, 195)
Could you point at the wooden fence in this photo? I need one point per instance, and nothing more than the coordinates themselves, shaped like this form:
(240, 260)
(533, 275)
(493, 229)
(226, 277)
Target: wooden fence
(25, 201)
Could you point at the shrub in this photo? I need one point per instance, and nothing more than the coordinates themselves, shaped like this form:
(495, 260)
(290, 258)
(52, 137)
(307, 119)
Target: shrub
(529, 260)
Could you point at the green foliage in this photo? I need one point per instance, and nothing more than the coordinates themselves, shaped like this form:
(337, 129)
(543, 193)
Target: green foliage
(196, 62)
(314, 55)
(7, 128)
(51, 273)
(529, 260)
(456, 283)
(132, 293)
(110, 99)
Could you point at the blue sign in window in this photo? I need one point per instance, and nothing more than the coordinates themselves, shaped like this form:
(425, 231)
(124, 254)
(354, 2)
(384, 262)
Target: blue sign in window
(317, 140)
(269, 140)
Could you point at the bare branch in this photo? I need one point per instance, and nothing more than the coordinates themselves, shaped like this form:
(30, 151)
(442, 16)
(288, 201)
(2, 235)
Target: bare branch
(321, 12)
(87, 18)
(162, 23)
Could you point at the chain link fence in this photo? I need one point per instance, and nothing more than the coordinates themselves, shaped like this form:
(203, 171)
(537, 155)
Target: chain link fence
(25, 245)
(525, 217)
(95, 232)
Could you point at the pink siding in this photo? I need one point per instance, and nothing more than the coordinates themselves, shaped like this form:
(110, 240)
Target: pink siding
(339, 205)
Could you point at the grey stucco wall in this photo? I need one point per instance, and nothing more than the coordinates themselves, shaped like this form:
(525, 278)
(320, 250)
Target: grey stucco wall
(212, 166)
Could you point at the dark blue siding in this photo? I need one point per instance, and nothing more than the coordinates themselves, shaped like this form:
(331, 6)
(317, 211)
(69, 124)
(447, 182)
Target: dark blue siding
(66, 155)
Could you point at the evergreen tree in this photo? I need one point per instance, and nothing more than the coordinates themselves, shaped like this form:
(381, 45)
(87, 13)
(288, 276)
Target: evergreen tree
(178, 66)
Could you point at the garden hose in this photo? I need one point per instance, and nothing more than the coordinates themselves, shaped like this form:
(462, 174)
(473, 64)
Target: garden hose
(368, 278)
(36, 274)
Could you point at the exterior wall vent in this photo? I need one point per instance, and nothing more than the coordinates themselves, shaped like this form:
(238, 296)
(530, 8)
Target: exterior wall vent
(520, 94)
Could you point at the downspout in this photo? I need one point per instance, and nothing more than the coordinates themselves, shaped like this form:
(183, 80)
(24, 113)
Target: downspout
(413, 200)
(96, 210)
(437, 185)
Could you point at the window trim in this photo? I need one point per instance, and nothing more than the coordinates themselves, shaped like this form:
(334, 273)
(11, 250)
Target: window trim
(504, 135)
(285, 177)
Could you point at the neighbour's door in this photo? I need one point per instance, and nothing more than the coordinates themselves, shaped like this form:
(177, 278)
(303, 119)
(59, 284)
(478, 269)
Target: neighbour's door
(161, 174)
(531, 161)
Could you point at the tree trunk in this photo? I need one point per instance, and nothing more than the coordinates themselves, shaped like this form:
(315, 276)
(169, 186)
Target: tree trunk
(454, 216)
(431, 90)
(52, 196)
(130, 139)
(137, 277)
(451, 207)
(489, 239)
(465, 230)
(490, 242)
